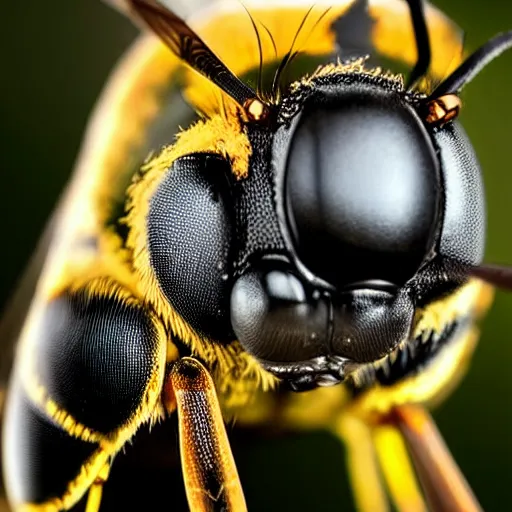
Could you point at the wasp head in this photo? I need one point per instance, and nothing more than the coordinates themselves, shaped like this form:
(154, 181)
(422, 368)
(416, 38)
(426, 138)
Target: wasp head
(379, 211)
(362, 204)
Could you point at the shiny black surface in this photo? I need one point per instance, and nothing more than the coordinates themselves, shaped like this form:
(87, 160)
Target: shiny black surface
(368, 324)
(277, 319)
(280, 318)
(380, 214)
(362, 187)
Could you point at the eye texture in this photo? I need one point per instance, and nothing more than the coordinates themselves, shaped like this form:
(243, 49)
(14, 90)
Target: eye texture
(463, 233)
(189, 240)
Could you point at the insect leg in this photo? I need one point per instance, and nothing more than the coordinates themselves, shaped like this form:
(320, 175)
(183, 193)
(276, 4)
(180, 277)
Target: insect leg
(96, 490)
(209, 471)
(397, 469)
(362, 463)
(444, 485)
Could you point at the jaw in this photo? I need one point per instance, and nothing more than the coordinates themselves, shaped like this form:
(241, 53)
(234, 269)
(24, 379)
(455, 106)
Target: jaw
(443, 337)
(406, 359)
(322, 371)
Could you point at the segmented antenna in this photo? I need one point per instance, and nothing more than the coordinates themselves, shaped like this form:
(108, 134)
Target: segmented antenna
(284, 62)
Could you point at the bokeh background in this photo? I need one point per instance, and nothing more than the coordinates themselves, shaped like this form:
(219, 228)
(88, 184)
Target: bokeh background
(55, 58)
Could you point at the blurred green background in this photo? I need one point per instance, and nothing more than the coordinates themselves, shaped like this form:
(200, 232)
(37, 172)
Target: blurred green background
(55, 57)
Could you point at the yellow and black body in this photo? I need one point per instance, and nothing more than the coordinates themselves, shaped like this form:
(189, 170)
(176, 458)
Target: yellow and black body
(283, 241)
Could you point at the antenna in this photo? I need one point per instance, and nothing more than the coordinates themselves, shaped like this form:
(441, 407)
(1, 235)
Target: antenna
(474, 64)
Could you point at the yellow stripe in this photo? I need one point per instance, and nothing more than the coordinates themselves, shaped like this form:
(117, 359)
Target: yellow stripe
(38, 394)
(96, 490)
(149, 410)
(473, 298)
(445, 371)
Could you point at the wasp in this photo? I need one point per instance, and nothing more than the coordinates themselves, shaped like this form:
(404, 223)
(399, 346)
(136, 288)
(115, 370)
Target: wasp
(264, 225)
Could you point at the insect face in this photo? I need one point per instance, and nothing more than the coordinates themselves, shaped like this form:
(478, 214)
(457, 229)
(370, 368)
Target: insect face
(379, 213)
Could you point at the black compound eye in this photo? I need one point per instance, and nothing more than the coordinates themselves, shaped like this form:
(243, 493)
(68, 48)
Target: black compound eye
(362, 189)
(189, 241)
(463, 234)
(275, 319)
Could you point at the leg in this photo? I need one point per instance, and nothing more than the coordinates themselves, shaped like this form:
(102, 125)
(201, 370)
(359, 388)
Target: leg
(397, 470)
(444, 485)
(407, 428)
(362, 464)
(96, 490)
(209, 471)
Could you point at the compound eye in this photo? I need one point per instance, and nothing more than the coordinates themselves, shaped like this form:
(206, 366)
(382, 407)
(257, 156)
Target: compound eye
(189, 235)
(463, 234)
(275, 319)
(362, 190)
